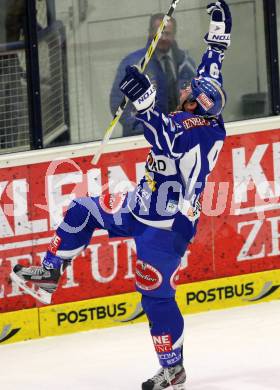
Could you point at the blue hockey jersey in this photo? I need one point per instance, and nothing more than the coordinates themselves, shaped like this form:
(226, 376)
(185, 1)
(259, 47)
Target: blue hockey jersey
(185, 148)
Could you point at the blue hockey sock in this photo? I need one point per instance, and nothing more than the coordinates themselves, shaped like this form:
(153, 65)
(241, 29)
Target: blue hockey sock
(75, 231)
(51, 261)
(166, 327)
(77, 227)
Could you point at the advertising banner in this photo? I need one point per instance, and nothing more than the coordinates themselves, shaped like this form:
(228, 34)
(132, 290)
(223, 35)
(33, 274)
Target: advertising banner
(238, 232)
(126, 308)
(192, 298)
(91, 314)
(229, 292)
(20, 325)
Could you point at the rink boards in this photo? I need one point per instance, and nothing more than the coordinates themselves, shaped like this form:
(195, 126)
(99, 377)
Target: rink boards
(233, 261)
(126, 308)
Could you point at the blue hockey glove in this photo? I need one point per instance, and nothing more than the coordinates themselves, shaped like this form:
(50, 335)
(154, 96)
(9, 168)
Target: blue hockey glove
(220, 25)
(138, 88)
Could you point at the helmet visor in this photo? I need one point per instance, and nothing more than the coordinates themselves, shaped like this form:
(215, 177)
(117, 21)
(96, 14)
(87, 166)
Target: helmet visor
(186, 95)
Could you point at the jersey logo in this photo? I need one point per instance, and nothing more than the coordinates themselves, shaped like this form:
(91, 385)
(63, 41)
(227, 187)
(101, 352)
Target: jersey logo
(146, 276)
(196, 121)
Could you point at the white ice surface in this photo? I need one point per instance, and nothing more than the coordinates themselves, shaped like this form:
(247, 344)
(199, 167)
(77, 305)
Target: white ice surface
(235, 349)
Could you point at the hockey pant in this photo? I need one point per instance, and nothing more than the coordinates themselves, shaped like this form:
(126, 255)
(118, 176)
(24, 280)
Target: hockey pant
(158, 260)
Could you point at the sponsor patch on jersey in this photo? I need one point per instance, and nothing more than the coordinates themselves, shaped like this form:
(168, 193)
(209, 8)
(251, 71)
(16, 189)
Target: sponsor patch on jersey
(205, 101)
(146, 276)
(111, 203)
(156, 163)
(161, 164)
(196, 121)
(162, 343)
(54, 244)
(172, 206)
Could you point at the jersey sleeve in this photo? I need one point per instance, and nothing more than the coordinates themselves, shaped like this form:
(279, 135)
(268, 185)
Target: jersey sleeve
(211, 65)
(165, 133)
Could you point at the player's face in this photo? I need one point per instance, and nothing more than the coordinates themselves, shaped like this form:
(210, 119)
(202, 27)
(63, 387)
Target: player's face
(167, 37)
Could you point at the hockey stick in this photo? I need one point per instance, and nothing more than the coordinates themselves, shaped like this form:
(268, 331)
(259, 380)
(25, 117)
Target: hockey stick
(144, 62)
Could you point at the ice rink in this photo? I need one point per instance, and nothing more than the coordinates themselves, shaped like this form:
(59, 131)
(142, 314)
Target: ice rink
(235, 349)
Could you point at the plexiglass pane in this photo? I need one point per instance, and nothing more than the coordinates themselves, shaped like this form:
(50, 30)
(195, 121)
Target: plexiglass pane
(14, 122)
(99, 34)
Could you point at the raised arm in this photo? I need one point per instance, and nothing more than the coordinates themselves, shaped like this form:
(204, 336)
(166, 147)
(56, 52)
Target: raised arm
(159, 130)
(130, 125)
(204, 97)
(217, 39)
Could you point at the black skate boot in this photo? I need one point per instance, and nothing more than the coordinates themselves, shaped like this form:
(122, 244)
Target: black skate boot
(167, 378)
(40, 282)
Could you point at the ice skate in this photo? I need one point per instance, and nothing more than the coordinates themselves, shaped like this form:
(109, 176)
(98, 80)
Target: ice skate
(36, 281)
(40, 282)
(167, 378)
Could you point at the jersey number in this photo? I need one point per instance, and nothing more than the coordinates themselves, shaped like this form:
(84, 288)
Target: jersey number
(191, 164)
(214, 71)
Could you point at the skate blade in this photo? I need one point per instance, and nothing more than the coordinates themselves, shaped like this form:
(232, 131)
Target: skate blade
(36, 292)
(180, 386)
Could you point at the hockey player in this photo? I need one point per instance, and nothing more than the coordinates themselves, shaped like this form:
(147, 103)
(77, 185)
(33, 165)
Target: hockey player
(163, 210)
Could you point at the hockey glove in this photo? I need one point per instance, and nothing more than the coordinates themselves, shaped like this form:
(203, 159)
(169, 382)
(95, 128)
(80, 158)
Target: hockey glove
(220, 25)
(138, 88)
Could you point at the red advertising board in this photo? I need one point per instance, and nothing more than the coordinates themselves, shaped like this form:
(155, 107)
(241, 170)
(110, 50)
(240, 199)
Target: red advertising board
(239, 231)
